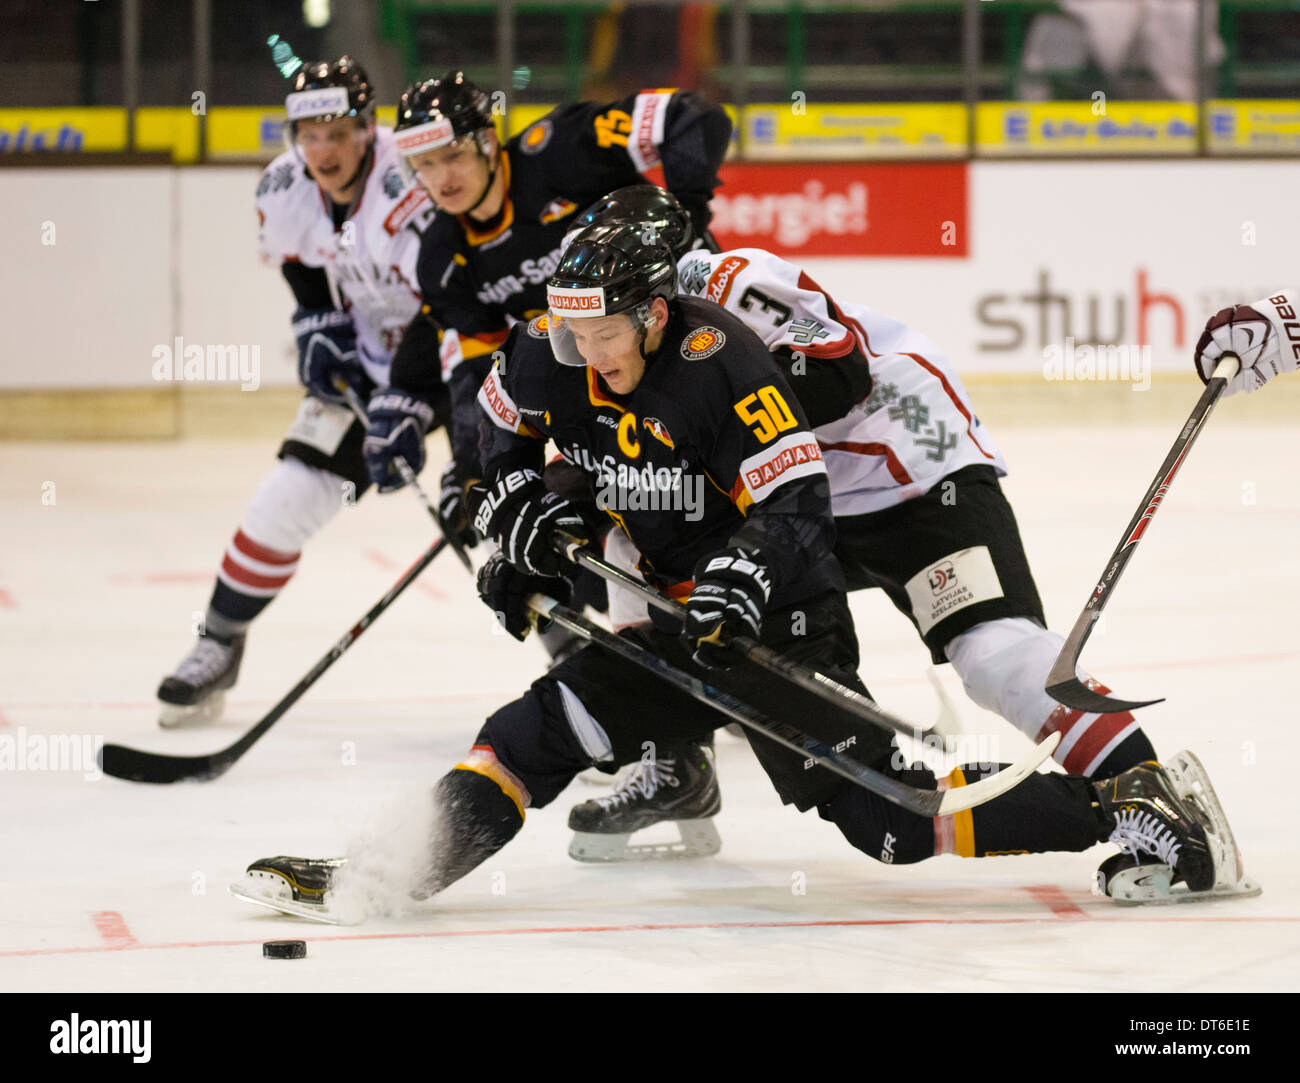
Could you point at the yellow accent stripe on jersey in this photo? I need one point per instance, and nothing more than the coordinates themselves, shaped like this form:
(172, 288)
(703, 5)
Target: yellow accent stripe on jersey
(595, 396)
(478, 345)
(483, 761)
(963, 823)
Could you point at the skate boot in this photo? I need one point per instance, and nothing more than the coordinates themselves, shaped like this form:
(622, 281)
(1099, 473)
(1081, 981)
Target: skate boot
(291, 885)
(196, 692)
(1176, 845)
(679, 788)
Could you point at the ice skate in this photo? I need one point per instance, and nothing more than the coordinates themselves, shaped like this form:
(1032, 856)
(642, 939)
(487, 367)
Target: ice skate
(1176, 845)
(292, 885)
(196, 692)
(680, 788)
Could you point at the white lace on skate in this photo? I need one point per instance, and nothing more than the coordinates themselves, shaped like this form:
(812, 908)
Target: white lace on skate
(1140, 833)
(696, 838)
(642, 782)
(205, 663)
(1137, 835)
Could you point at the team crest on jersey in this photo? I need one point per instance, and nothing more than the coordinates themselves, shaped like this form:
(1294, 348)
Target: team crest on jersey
(703, 342)
(535, 139)
(540, 327)
(693, 276)
(659, 431)
(393, 184)
(555, 210)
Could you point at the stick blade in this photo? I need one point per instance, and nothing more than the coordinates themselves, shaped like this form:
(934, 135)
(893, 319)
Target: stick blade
(965, 797)
(1079, 697)
(132, 765)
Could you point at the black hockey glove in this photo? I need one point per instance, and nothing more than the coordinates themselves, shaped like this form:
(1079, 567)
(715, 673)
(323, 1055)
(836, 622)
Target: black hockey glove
(453, 508)
(327, 351)
(396, 424)
(524, 516)
(505, 590)
(730, 594)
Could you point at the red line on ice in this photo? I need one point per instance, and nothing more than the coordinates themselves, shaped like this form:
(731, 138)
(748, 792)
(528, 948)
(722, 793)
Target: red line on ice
(687, 926)
(153, 578)
(376, 557)
(7, 600)
(1056, 901)
(112, 927)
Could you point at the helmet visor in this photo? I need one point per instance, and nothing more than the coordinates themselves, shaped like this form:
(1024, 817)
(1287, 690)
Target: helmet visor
(593, 340)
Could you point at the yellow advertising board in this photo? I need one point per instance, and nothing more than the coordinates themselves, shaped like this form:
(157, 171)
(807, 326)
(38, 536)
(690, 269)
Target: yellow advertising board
(1269, 126)
(63, 130)
(1095, 127)
(794, 130)
(771, 132)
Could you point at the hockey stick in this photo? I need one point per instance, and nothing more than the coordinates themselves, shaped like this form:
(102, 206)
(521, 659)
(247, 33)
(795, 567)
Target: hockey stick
(137, 766)
(829, 691)
(404, 469)
(921, 802)
(1063, 683)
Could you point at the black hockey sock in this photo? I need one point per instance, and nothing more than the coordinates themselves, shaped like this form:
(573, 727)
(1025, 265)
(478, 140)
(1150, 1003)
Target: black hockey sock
(1134, 749)
(230, 612)
(474, 818)
(1044, 813)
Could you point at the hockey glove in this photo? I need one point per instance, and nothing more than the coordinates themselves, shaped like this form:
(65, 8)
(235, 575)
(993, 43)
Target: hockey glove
(730, 594)
(1265, 334)
(505, 590)
(453, 508)
(327, 351)
(396, 424)
(524, 516)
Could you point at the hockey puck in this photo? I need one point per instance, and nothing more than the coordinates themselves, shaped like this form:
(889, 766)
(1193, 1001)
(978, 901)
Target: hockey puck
(284, 949)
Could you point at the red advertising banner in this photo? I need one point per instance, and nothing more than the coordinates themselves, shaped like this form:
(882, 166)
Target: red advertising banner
(844, 208)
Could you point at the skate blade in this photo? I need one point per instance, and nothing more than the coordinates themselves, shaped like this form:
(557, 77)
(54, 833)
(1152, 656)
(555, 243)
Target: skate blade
(1192, 784)
(699, 838)
(1244, 889)
(257, 893)
(173, 716)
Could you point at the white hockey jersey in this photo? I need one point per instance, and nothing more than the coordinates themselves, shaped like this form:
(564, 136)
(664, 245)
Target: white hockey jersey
(916, 426)
(370, 261)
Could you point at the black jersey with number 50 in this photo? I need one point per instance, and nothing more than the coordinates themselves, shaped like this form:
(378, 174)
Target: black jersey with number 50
(710, 450)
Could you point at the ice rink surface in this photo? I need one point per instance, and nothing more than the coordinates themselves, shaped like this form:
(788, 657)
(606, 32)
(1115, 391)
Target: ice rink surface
(106, 556)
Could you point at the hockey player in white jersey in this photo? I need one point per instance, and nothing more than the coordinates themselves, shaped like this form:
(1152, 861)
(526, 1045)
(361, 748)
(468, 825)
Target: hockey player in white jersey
(337, 216)
(918, 513)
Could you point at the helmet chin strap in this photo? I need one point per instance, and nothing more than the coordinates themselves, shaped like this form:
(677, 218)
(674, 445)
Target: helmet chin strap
(492, 176)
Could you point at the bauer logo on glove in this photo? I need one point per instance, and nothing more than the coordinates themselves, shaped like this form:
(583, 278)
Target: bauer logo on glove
(1265, 334)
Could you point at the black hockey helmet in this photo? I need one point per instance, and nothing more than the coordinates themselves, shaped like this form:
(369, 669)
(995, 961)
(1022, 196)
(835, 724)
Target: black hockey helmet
(434, 112)
(328, 89)
(609, 268)
(648, 204)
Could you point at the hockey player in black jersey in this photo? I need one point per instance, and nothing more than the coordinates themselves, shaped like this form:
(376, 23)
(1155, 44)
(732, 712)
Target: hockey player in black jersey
(503, 213)
(650, 389)
(905, 506)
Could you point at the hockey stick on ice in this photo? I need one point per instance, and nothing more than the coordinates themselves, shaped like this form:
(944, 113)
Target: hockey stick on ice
(921, 802)
(404, 469)
(1063, 683)
(137, 766)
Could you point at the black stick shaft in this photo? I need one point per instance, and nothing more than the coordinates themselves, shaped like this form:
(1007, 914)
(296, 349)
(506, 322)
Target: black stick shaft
(137, 766)
(1063, 683)
(840, 698)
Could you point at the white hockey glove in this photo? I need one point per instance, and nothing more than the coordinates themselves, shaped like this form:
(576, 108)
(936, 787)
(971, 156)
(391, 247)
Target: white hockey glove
(1265, 334)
